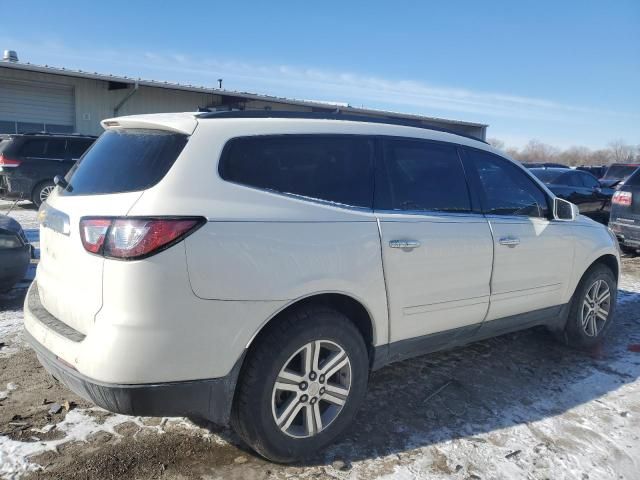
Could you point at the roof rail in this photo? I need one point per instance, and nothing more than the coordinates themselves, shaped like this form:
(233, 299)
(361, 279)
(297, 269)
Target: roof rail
(337, 115)
(59, 134)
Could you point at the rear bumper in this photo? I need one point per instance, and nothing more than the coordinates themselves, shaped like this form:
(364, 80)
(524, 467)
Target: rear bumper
(14, 186)
(13, 266)
(628, 235)
(211, 399)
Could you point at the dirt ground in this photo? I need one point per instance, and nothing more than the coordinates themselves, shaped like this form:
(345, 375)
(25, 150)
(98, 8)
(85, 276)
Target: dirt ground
(517, 406)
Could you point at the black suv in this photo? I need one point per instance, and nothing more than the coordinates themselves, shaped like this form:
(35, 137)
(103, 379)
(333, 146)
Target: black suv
(625, 213)
(29, 161)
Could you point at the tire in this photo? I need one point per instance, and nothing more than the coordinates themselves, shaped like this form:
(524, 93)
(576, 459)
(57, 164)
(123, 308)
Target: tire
(585, 328)
(260, 406)
(41, 192)
(629, 250)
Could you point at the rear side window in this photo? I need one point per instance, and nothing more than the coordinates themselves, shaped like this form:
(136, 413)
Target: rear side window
(334, 168)
(78, 147)
(125, 161)
(424, 176)
(56, 148)
(506, 189)
(36, 147)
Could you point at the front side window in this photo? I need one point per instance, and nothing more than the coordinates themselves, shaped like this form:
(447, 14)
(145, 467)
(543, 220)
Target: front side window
(589, 181)
(334, 168)
(505, 188)
(424, 176)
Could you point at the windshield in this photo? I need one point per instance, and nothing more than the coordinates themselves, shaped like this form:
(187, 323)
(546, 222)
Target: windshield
(548, 176)
(619, 172)
(125, 161)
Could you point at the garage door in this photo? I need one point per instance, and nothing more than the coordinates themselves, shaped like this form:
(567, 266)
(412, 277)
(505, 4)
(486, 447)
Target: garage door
(35, 106)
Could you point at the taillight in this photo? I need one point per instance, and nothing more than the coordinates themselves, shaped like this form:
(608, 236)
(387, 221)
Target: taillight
(622, 198)
(8, 162)
(134, 238)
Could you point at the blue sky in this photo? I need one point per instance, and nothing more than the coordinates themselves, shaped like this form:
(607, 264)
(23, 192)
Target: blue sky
(564, 72)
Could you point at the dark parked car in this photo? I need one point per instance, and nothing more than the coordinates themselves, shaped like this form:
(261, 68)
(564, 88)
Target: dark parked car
(597, 171)
(617, 173)
(15, 253)
(625, 213)
(580, 188)
(28, 163)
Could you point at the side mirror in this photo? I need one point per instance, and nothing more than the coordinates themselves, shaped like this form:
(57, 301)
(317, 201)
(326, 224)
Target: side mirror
(564, 211)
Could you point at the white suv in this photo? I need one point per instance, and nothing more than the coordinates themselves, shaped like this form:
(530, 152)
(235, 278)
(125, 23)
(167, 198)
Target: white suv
(253, 268)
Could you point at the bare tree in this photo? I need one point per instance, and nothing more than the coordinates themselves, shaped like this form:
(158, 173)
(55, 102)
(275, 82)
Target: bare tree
(536, 151)
(621, 152)
(497, 143)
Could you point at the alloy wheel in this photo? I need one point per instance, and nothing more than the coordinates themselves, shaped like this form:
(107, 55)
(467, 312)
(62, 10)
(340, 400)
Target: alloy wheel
(595, 308)
(311, 389)
(45, 192)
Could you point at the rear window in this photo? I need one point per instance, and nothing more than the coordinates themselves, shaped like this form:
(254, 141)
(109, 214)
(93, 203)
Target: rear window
(549, 176)
(619, 172)
(125, 161)
(335, 168)
(633, 180)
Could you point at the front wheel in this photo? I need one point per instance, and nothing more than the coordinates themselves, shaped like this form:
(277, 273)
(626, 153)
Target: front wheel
(592, 308)
(302, 385)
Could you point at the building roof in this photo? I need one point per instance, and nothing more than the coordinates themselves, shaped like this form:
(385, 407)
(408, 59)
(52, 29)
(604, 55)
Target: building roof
(26, 66)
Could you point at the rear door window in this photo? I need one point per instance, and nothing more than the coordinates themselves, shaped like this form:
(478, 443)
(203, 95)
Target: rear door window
(334, 168)
(125, 160)
(56, 148)
(423, 176)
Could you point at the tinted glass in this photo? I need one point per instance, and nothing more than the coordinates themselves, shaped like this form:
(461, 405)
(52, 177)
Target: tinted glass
(424, 176)
(36, 147)
(56, 148)
(507, 190)
(546, 175)
(78, 147)
(571, 178)
(634, 180)
(589, 181)
(125, 161)
(326, 167)
(619, 172)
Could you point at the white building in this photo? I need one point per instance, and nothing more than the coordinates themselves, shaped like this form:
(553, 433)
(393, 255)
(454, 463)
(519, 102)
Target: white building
(44, 98)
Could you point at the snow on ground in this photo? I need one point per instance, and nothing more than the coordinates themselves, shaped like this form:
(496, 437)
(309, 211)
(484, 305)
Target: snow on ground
(515, 407)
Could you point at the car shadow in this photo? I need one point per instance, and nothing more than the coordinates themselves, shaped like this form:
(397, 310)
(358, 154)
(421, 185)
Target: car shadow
(514, 379)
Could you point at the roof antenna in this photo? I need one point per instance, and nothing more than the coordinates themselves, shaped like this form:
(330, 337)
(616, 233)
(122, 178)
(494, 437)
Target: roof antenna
(220, 83)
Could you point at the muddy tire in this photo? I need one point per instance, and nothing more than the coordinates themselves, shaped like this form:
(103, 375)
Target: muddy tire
(592, 309)
(301, 385)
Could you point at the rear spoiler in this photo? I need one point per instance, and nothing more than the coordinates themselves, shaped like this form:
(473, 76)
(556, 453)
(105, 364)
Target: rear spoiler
(174, 122)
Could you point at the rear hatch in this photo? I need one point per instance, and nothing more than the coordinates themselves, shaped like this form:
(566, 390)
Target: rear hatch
(107, 181)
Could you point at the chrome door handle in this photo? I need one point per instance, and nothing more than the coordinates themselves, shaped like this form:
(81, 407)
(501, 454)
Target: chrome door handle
(404, 244)
(510, 241)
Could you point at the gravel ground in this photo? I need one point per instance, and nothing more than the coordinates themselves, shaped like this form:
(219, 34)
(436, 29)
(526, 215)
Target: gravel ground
(517, 406)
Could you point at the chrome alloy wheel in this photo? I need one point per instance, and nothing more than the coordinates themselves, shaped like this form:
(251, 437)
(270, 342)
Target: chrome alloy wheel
(595, 308)
(45, 192)
(311, 389)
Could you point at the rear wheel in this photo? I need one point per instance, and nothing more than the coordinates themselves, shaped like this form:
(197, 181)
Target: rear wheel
(42, 192)
(592, 308)
(302, 385)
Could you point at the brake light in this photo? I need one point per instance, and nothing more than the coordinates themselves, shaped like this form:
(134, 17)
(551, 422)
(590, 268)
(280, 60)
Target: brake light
(134, 238)
(8, 162)
(622, 198)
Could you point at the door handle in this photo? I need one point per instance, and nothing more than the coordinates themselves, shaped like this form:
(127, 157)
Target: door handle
(510, 241)
(404, 244)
